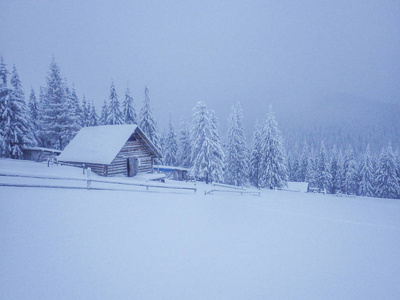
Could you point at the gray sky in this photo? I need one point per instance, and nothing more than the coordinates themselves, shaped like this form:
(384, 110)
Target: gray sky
(220, 52)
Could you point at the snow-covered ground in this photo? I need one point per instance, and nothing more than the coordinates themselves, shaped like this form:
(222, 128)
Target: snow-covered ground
(90, 244)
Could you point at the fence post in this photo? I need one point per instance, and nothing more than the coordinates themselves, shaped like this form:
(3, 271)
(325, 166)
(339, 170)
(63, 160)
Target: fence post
(89, 182)
(83, 169)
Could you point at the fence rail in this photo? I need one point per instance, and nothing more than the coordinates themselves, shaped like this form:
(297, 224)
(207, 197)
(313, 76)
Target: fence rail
(210, 192)
(88, 181)
(229, 186)
(288, 190)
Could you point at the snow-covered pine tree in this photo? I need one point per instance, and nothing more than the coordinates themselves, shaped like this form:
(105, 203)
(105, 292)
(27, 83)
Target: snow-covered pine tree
(41, 133)
(303, 165)
(3, 72)
(255, 158)
(34, 109)
(207, 153)
(289, 163)
(350, 173)
(217, 162)
(170, 146)
(323, 177)
(4, 94)
(85, 112)
(34, 115)
(334, 170)
(311, 176)
(69, 118)
(273, 161)
(366, 175)
(295, 165)
(93, 117)
(236, 151)
(77, 110)
(148, 123)
(55, 123)
(104, 114)
(398, 167)
(114, 112)
(129, 113)
(18, 131)
(387, 182)
(161, 147)
(184, 146)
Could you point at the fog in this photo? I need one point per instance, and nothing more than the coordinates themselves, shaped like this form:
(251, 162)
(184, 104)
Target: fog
(293, 54)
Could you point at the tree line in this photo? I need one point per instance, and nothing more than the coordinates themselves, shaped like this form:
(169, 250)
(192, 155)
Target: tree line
(53, 120)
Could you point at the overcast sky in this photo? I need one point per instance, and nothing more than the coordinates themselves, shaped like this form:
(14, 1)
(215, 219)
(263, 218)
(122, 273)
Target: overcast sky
(219, 52)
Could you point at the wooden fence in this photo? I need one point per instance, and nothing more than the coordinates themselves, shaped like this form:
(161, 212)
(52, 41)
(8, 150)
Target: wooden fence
(88, 181)
(211, 192)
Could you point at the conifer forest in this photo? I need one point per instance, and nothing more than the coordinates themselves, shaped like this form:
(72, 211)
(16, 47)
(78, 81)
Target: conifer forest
(51, 115)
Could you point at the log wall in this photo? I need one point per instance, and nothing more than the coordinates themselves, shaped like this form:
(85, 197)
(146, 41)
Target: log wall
(96, 168)
(133, 147)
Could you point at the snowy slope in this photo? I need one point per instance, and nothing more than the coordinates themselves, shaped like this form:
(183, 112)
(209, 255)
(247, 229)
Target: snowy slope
(85, 244)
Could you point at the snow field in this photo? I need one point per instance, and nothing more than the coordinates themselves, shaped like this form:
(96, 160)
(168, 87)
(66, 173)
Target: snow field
(87, 244)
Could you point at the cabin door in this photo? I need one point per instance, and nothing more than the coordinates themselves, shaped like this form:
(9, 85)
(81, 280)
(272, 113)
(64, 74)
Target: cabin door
(133, 164)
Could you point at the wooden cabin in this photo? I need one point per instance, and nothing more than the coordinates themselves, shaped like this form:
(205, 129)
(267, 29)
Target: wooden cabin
(111, 150)
(39, 154)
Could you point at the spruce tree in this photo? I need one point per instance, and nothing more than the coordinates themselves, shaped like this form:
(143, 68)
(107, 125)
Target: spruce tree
(255, 158)
(273, 161)
(18, 131)
(217, 162)
(341, 173)
(184, 146)
(366, 175)
(289, 165)
(295, 168)
(104, 114)
(34, 115)
(69, 118)
(323, 177)
(207, 154)
(34, 109)
(148, 123)
(161, 147)
(335, 171)
(4, 95)
(85, 112)
(114, 112)
(3, 73)
(388, 184)
(77, 110)
(350, 173)
(170, 146)
(93, 117)
(41, 133)
(54, 105)
(303, 165)
(236, 151)
(129, 113)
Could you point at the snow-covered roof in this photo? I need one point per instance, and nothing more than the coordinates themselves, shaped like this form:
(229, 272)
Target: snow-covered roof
(100, 144)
